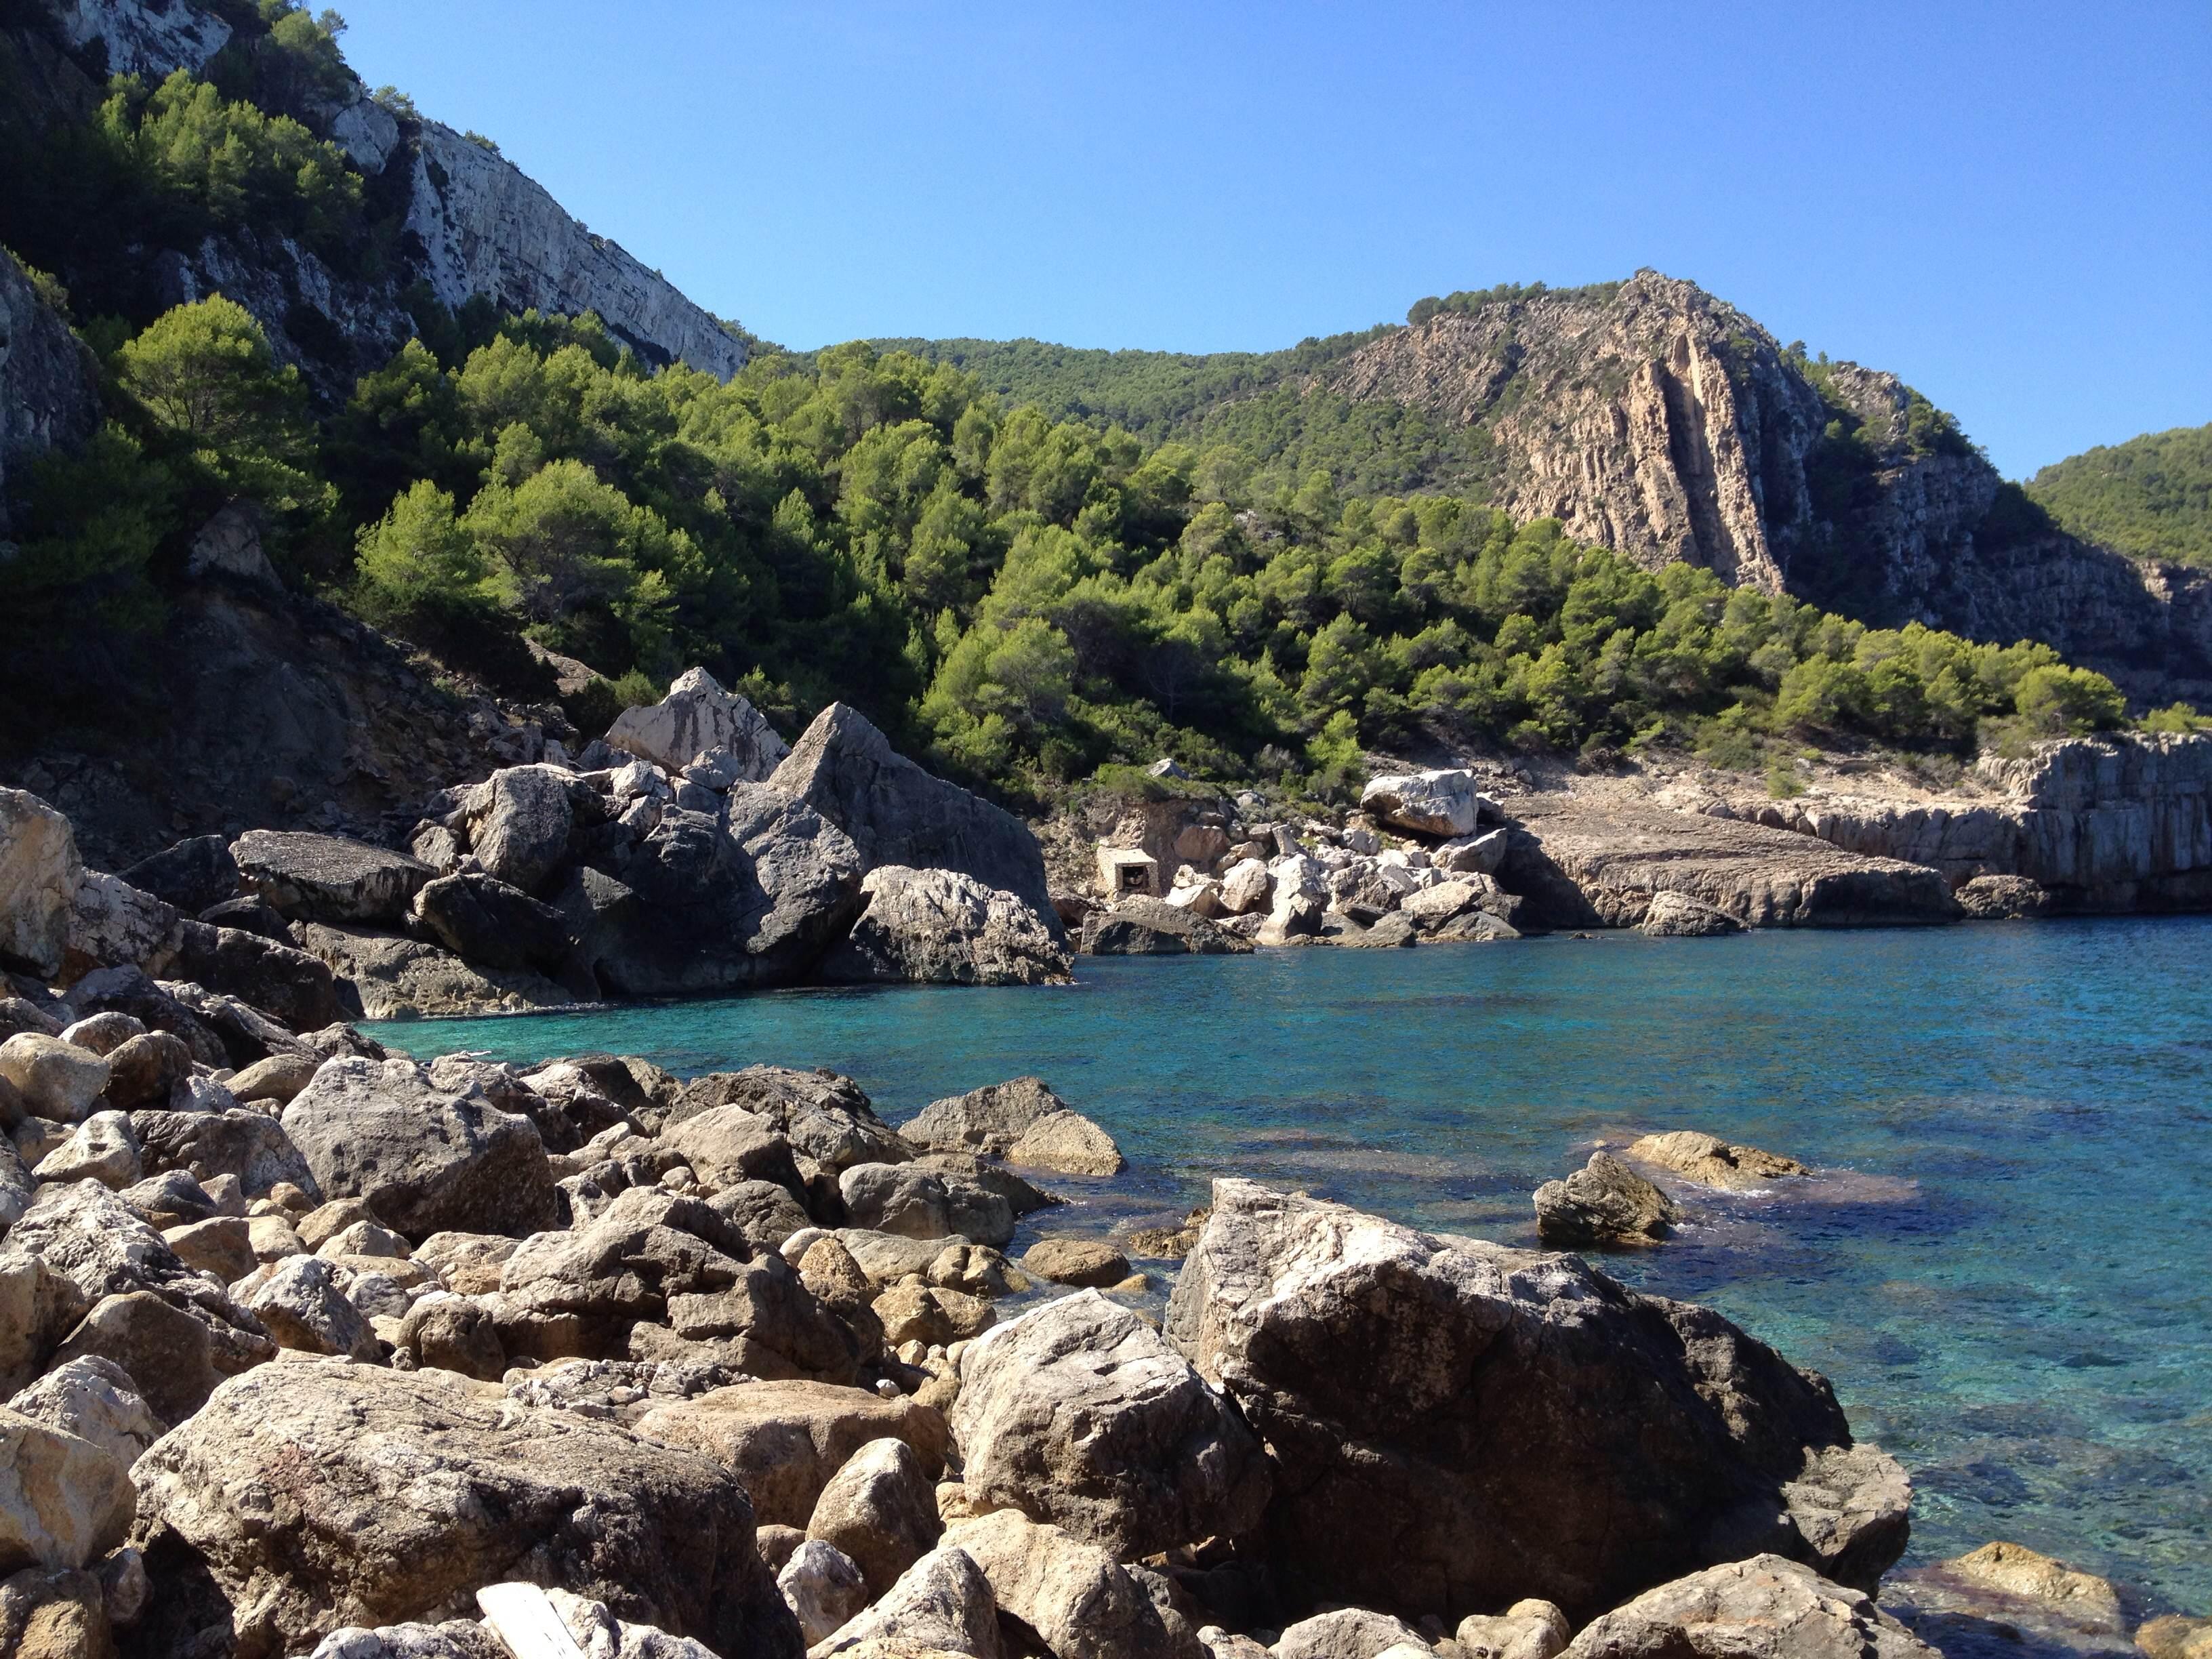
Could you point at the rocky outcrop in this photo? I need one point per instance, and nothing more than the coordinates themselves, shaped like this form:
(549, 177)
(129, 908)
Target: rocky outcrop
(941, 928)
(1648, 416)
(2115, 822)
(1582, 859)
(49, 383)
(1021, 1120)
(308, 877)
(1604, 1203)
(1712, 1162)
(1508, 1424)
(1154, 928)
(40, 874)
(896, 813)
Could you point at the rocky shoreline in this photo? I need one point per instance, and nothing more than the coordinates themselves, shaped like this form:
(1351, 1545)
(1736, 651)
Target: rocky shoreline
(345, 1355)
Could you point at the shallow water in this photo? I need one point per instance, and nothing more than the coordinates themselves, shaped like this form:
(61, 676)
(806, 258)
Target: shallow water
(2005, 1265)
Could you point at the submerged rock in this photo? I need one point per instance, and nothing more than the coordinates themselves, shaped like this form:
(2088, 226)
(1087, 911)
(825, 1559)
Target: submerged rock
(1605, 1203)
(1712, 1162)
(1507, 1424)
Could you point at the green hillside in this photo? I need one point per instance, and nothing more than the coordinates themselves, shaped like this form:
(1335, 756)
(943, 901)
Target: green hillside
(2150, 497)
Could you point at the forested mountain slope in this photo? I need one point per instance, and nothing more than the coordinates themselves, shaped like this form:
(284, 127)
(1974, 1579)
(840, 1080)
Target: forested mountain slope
(1648, 416)
(2150, 497)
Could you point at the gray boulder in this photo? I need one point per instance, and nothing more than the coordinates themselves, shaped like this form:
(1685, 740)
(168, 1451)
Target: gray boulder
(394, 978)
(1021, 1120)
(425, 1159)
(1766, 1608)
(880, 1510)
(304, 1307)
(943, 927)
(330, 879)
(941, 1604)
(1678, 916)
(205, 1144)
(39, 872)
(520, 820)
(704, 903)
(102, 1148)
(62, 1501)
(823, 1587)
(1345, 1633)
(897, 814)
(484, 920)
(825, 1117)
(1508, 1424)
(467, 1489)
(1079, 1414)
(729, 1145)
(695, 716)
(94, 1400)
(1603, 1203)
(1143, 926)
(913, 1202)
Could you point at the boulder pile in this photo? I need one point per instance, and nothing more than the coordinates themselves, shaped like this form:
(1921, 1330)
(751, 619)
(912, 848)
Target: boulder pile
(638, 873)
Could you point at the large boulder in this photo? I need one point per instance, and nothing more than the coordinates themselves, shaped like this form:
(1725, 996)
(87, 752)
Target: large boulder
(94, 1400)
(697, 715)
(520, 819)
(63, 1501)
(1712, 1162)
(424, 1158)
(56, 1080)
(404, 1493)
(113, 924)
(1766, 1608)
(704, 903)
(1436, 803)
(1079, 1414)
(1507, 1424)
(880, 1510)
(297, 988)
(1021, 1120)
(311, 878)
(395, 978)
(486, 921)
(1084, 1604)
(730, 1145)
(205, 1145)
(1142, 927)
(785, 1440)
(941, 1604)
(896, 813)
(1604, 1203)
(942, 927)
(39, 871)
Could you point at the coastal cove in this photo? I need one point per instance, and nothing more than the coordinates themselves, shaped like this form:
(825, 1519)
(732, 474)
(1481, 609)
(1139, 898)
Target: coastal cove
(1998, 1263)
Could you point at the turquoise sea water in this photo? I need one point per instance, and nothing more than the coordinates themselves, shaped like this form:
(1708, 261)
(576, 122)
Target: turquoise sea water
(2005, 1265)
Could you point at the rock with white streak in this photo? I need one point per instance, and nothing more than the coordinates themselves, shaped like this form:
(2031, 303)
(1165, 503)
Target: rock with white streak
(1434, 803)
(941, 1604)
(102, 1148)
(823, 1587)
(697, 715)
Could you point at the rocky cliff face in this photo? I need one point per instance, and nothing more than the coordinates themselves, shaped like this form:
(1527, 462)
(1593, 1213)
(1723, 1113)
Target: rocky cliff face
(1659, 421)
(2120, 823)
(474, 222)
(49, 387)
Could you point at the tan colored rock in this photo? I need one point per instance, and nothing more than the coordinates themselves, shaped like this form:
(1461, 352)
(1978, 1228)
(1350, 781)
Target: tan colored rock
(62, 1501)
(880, 1510)
(469, 1263)
(1083, 1261)
(54, 1615)
(102, 1148)
(1083, 1602)
(2019, 1571)
(941, 1604)
(785, 1440)
(1712, 1162)
(57, 1081)
(1346, 1633)
(2175, 1636)
(276, 1079)
(1022, 1121)
(1526, 1629)
(1766, 1608)
(221, 1245)
(1678, 916)
(96, 1401)
(913, 1311)
(272, 1238)
(144, 1070)
(39, 871)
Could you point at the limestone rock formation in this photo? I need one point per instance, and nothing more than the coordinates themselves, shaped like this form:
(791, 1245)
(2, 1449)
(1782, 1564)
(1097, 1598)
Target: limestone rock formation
(941, 1604)
(896, 813)
(63, 1501)
(49, 382)
(1506, 1423)
(1677, 915)
(330, 879)
(1143, 926)
(467, 1490)
(1074, 1596)
(1431, 803)
(941, 928)
(39, 871)
(1078, 1414)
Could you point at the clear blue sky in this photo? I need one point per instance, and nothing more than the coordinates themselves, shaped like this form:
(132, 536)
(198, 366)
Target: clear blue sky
(2009, 205)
